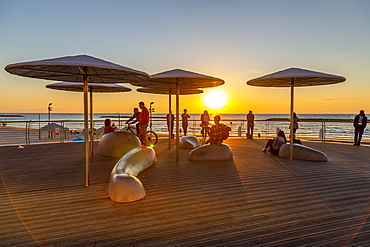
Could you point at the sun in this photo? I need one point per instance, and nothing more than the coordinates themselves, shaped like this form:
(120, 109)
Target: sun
(215, 99)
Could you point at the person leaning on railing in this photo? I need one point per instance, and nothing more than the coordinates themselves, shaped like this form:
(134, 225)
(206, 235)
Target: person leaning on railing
(359, 123)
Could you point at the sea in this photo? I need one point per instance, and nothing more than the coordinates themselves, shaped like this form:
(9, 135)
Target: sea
(338, 126)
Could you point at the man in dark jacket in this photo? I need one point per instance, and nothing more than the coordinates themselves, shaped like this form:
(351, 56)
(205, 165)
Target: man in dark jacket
(359, 123)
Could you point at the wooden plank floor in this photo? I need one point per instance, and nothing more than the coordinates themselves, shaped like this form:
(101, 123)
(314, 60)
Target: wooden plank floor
(255, 200)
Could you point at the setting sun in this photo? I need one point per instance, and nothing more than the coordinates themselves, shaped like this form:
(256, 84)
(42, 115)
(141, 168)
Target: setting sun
(215, 99)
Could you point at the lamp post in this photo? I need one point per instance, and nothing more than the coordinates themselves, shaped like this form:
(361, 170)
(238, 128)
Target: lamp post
(151, 110)
(49, 110)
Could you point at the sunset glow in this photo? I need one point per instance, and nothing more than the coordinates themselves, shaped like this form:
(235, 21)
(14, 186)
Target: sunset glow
(215, 99)
(235, 48)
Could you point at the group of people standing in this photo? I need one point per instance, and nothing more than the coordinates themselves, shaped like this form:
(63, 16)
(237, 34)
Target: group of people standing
(140, 118)
(219, 132)
(171, 120)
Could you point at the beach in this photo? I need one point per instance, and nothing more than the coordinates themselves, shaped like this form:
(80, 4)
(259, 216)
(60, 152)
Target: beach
(256, 199)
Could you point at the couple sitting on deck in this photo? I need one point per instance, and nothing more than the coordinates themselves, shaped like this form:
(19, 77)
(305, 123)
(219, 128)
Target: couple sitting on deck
(218, 132)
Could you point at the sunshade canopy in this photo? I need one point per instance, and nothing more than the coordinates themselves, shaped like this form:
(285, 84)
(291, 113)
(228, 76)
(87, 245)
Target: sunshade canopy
(70, 69)
(178, 79)
(183, 78)
(301, 78)
(80, 68)
(295, 77)
(168, 91)
(95, 87)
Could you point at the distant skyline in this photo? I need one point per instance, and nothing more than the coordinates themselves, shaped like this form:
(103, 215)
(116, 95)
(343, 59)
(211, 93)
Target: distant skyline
(232, 40)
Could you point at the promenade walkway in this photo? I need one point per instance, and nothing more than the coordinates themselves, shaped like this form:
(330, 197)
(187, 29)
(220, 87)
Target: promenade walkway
(255, 200)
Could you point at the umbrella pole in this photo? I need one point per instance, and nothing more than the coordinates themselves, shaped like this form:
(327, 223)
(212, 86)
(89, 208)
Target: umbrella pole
(170, 123)
(177, 120)
(86, 126)
(91, 123)
(291, 117)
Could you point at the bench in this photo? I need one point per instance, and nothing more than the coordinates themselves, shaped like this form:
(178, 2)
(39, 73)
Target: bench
(301, 152)
(124, 186)
(189, 142)
(116, 144)
(211, 152)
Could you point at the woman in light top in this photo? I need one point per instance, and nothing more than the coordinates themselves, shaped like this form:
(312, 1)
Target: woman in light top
(205, 122)
(273, 145)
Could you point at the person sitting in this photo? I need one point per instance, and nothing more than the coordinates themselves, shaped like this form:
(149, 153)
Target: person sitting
(273, 145)
(108, 126)
(135, 119)
(218, 132)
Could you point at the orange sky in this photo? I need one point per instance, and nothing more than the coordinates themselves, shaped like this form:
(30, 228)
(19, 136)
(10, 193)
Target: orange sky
(216, 39)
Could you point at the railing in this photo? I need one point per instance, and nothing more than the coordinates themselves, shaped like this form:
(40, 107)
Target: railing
(31, 132)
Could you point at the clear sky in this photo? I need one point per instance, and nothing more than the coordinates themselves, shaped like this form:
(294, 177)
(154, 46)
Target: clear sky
(232, 40)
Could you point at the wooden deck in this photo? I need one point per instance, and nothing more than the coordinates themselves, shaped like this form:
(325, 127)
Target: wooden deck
(255, 200)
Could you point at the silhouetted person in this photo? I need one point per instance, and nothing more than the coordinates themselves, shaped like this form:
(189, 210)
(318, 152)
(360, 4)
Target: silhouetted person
(185, 119)
(295, 124)
(170, 123)
(135, 119)
(250, 125)
(359, 123)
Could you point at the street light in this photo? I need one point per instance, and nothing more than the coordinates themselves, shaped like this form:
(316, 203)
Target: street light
(49, 110)
(151, 110)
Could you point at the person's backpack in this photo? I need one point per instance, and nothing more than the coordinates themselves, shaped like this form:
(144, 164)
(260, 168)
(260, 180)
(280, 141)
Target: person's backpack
(226, 134)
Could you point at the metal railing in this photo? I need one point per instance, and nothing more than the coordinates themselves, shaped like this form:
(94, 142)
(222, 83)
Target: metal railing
(31, 132)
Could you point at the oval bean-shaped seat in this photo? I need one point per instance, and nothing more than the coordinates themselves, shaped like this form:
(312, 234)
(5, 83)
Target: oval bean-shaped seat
(116, 144)
(124, 186)
(189, 142)
(301, 152)
(212, 152)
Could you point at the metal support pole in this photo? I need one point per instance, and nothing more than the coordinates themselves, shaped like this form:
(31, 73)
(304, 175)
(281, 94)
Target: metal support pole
(39, 127)
(86, 127)
(291, 117)
(177, 119)
(169, 112)
(91, 123)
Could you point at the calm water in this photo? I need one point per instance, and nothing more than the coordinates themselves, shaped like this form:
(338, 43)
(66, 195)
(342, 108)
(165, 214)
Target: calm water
(333, 129)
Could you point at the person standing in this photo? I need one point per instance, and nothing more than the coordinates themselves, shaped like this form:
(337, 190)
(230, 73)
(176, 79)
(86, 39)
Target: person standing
(135, 119)
(295, 124)
(250, 125)
(205, 122)
(144, 121)
(185, 118)
(170, 123)
(359, 123)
